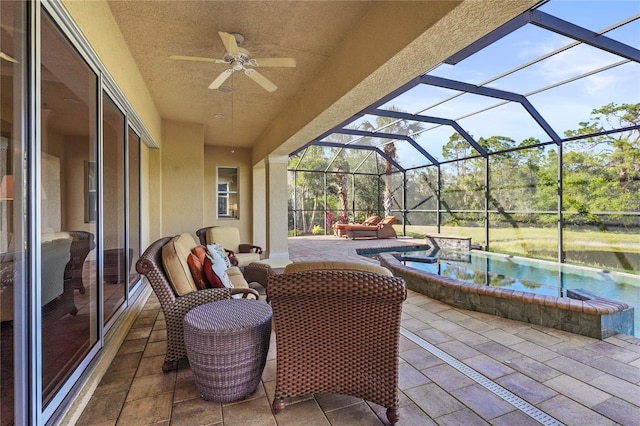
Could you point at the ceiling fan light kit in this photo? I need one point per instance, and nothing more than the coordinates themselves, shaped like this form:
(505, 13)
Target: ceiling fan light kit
(239, 59)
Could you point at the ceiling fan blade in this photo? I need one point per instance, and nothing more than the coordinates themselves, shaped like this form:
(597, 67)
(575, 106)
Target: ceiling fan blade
(273, 62)
(260, 79)
(221, 78)
(192, 58)
(7, 58)
(229, 42)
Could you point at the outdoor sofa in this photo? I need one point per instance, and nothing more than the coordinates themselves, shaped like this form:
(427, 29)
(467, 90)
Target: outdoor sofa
(384, 229)
(339, 229)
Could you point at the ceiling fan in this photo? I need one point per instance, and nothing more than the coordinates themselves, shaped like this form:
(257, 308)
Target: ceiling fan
(240, 60)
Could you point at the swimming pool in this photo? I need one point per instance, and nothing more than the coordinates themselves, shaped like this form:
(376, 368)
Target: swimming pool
(527, 275)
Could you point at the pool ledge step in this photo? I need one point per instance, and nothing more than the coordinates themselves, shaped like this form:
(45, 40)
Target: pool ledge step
(598, 318)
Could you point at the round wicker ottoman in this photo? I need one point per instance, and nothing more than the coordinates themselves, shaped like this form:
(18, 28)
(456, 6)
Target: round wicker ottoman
(227, 343)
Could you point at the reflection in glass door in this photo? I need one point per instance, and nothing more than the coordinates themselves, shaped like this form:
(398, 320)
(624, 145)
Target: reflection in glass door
(12, 16)
(133, 230)
(69, 213)
(113, 169)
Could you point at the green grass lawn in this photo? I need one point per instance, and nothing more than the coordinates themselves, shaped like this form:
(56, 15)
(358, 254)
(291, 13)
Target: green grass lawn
(601, 249)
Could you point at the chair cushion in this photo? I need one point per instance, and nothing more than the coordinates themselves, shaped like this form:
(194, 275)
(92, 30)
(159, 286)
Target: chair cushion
(226, 236)
(372, 220)
(336, 265)
(174, 259)
(216, 249)
(246, 258)
(237, 278)
(200, 251)
(389, 220)
(219, 267)
(197, 272)
(212, 278)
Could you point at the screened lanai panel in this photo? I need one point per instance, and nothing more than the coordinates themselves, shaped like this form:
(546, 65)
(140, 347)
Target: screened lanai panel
(531, 234)
(602, 174)
(394, 182)
(524, 181)
(420, 98)
(367, 197)
(462, 185)
(408, 155)
(463, 224)
(503, 127)
(593, 15)
(294, 160)
(351, 160)
(390, 125)
(628, 33)
(509, 52)
(422, 187)
(341, 138)
(317, 158)
(584, 235)
(566, 106)
(445, 143)
(561, 67)
(371, 162)
(461, 106)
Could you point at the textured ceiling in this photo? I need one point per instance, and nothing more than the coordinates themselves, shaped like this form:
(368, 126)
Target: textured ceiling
(306, 31)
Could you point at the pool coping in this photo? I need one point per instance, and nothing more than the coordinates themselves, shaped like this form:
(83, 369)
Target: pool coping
(599, 318)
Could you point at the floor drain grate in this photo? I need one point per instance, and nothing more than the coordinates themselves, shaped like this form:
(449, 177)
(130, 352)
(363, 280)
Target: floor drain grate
(503, 393)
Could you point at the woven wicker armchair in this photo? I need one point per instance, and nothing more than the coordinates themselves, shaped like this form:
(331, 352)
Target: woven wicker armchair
(176, 307)
(337, 331)
(83, 242)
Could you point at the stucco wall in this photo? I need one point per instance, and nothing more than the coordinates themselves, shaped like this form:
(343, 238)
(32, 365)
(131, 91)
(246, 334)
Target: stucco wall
(217, 156)
(182, 158)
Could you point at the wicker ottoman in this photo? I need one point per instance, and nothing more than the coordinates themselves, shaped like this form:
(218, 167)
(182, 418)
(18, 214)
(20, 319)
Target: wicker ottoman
(227, 343)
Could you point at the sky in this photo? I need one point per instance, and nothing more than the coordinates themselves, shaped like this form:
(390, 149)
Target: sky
(563, 107)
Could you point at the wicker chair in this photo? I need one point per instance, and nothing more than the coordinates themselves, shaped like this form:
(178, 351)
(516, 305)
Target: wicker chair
(229, 238)
(83, 242)
(176, 307)
(337, 331)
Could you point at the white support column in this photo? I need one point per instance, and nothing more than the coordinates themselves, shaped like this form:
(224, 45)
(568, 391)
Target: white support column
(277, 211)
(260, 204)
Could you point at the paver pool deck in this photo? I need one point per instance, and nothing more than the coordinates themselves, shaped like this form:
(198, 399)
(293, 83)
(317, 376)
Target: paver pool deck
(457, 367)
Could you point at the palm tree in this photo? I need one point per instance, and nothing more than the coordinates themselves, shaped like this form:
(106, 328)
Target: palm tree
(391, 125)
(342, 193)
(390, 150)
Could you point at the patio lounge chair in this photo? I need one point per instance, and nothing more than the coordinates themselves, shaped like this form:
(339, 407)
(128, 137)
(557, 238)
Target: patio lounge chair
(229, 238)
(339, 229)
(384, 229)
(337, 330)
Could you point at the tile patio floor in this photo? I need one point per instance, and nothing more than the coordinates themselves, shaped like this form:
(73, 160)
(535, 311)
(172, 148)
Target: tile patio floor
(572, 379)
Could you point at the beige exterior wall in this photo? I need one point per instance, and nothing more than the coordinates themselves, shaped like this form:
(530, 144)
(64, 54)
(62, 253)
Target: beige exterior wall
(182, 158)
(151, 195)
(217, 156)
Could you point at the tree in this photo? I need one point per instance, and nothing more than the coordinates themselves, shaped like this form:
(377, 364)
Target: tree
(602, 173)
(342, 194)
(391, 125)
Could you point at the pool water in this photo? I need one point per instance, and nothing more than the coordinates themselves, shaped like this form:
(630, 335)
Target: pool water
(529, 275)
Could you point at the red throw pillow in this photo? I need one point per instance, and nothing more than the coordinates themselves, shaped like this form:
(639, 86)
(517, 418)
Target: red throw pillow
(197, 272)
(201, 252)
(214, 280)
